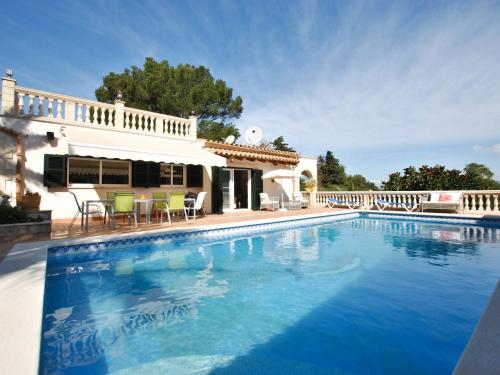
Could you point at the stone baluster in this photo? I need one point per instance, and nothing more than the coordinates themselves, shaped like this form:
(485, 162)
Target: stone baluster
(87, 114)
(487, 202)
(40, 106)
(473, 202)
(50, 109)
(31, 104)
(79, 112)
(59, 110)
(495, 202)
(481, 205)
(126, 122)
(69, 111)
(20, 103)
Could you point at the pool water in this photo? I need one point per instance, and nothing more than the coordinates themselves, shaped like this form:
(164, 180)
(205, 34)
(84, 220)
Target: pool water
(367, 296)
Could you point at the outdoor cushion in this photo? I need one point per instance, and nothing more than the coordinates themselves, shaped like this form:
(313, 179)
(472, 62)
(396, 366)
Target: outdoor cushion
(445, 198)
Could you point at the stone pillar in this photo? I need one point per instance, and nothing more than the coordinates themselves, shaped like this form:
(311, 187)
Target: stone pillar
(8, 95)
(193, 130)
(312, 198)
(119, 113)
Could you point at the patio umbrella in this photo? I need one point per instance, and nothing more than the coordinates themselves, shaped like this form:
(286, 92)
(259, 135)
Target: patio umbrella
(280, 174)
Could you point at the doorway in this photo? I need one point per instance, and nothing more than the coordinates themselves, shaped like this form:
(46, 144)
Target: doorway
(236, 187)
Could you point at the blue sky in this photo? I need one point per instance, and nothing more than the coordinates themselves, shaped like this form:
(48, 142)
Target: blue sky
(382, 84)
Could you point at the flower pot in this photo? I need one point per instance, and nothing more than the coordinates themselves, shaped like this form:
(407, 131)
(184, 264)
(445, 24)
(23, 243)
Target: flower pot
(31, 202)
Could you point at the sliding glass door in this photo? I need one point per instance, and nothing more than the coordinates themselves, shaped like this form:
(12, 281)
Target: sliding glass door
(235, 184)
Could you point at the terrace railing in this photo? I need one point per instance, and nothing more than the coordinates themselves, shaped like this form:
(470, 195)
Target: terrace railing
(474, 201)
(46, 106)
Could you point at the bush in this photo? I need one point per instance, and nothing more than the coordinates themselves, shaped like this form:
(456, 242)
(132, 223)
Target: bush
(13, 215)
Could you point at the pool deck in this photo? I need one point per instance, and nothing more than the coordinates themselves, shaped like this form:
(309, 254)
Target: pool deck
(23, 265)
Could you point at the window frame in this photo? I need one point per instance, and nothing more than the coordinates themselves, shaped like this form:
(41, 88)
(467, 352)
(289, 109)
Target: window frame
(171, 185)
(100, 184)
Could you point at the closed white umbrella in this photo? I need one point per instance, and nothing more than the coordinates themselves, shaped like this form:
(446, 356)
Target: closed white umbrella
(280, 174)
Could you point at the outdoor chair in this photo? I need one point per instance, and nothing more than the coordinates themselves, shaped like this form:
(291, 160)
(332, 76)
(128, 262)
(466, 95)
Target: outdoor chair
(304, 203)
(266, 202)
(124, 204)
(444, 201)
(176, 205)
(159, 202)
(334, 202)
(382, 204)
(94, 209)
(110, 197)
(198, 205)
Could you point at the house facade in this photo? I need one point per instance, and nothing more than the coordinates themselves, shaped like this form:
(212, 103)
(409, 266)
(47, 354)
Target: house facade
(53, 144)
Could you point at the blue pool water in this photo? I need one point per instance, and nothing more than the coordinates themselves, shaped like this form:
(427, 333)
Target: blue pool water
(368, 296)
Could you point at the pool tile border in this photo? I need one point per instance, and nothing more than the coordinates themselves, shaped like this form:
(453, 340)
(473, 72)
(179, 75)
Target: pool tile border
(199, 233)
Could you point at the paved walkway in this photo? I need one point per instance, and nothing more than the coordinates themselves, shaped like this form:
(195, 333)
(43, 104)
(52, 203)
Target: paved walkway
(60, 227)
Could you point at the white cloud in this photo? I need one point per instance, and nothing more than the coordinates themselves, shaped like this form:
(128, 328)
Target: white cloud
(494, 148)
(387, 81)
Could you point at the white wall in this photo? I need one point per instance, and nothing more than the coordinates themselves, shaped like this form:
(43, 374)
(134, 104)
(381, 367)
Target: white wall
(58, 200)
(8, 161)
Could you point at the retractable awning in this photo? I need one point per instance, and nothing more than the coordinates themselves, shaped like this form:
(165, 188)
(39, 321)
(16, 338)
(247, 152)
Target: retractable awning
(192, 156)
(119, 145)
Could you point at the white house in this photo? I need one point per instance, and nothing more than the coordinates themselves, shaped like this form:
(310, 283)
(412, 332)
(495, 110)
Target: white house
(52, 144)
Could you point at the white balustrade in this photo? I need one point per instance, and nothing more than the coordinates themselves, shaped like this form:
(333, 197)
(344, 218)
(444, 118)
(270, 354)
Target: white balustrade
(474, 201)
(69, 110)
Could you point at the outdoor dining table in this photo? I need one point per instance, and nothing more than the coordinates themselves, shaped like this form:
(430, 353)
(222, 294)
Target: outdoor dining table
(148, 202)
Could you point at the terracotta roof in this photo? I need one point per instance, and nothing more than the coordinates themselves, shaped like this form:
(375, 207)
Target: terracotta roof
(251, 153)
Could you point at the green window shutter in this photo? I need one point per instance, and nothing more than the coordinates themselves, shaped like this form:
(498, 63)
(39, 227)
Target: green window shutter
(139, 174)
(153, 174)
(216, 190)
(145, 174)
(54, 171)
(257, 188)
(194, 175)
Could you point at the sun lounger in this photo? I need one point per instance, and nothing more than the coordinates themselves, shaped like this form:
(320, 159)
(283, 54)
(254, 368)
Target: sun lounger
(382, 204)
(334, 202)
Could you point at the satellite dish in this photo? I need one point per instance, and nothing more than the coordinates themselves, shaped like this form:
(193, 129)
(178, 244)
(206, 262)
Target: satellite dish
(253, 135)
(230, 139)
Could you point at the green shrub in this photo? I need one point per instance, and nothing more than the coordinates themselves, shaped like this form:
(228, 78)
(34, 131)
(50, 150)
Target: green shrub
(13, 215)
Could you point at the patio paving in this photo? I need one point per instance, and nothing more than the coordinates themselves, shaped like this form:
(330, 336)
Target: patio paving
(60, 227)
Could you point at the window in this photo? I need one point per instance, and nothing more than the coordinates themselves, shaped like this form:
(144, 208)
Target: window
(115, 172)
(171, 174)
(83, 171)
(97, 172)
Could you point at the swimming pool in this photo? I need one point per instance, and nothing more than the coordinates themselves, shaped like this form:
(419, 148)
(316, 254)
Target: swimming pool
(359, 295)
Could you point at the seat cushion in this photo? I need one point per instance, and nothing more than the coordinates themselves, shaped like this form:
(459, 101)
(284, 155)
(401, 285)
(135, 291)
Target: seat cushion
(445, 197)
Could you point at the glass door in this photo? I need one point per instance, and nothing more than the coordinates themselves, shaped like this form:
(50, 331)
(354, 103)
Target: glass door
(235, 185)
(226, 188)
(241, 179)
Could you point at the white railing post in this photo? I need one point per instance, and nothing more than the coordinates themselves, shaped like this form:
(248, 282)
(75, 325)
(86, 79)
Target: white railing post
(69, 111)
(193, 128)
(8, 95)
(119, 113)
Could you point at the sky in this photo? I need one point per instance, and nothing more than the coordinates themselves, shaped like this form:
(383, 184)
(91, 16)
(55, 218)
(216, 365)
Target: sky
(382, 84)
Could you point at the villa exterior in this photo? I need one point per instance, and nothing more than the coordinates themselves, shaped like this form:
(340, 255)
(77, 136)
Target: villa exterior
(53, 144)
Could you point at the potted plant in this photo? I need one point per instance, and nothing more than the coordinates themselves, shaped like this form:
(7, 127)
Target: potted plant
(310, 185)
(31, 201)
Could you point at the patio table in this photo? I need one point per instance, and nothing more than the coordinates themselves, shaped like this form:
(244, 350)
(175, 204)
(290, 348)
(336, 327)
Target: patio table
(138, 202)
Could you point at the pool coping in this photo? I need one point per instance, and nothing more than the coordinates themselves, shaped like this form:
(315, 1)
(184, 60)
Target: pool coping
(22, 274)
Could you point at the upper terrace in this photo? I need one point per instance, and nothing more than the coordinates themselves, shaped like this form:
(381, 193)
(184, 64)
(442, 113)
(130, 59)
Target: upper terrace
(69, 110)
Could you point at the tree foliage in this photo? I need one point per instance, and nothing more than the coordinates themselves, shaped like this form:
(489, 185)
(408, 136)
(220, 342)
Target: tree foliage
(178, 91)
(473, 177)
(280, 145)
(332, 176)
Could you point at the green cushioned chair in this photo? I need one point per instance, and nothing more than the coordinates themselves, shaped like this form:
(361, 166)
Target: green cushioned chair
(160, 203)
(124, 204)
(176, 204)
